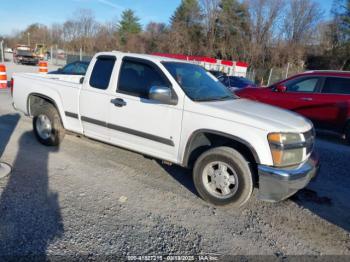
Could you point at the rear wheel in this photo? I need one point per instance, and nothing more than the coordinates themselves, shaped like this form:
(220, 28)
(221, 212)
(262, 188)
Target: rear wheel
(47, 125)
(222, 176)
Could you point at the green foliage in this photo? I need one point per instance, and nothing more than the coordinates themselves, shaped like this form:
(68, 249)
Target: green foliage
(233, 28)
(234, 16)
(188, 13)
(129, 24)
(341, 51)
(345, 21)
(186, 27)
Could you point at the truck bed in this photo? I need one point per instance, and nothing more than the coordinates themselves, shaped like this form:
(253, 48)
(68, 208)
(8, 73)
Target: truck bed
(64, 90)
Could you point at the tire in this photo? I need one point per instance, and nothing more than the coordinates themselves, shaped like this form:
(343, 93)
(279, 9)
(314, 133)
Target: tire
(237, 167)
(54, 135)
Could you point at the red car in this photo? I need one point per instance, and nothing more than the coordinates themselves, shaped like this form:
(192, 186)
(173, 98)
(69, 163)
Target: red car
(321, 96)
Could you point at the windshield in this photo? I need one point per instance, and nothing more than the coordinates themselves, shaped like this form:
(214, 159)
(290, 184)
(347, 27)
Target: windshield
(24, 53)
(197, 83)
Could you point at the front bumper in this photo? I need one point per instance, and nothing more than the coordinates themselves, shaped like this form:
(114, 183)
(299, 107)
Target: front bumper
(276, 184)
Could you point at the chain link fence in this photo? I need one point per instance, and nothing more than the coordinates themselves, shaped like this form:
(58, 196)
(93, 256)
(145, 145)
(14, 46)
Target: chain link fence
(61, 57)
(268, 76)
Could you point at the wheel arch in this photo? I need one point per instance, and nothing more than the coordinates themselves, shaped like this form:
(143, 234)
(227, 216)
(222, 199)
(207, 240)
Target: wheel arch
(32, 105)
(203, 139)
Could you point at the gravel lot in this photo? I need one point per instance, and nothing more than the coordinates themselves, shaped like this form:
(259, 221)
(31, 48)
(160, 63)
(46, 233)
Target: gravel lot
(91, 199)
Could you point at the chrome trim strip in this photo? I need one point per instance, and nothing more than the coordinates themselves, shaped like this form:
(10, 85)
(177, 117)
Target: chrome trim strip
(129, 131)
(70, 114)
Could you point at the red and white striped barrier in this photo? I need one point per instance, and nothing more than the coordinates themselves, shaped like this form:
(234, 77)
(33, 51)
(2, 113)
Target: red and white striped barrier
(3, 77)
(241, 68)
(231, 68)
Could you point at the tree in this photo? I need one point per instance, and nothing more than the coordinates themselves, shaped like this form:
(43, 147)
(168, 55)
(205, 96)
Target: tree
(301, 20)
(186, 28)
(265, 16)
(211, 12)
(80, 30)
(129, 24)
(234, 26)
(35, 33)
(340, 33)
(155, 37)
(299, 27)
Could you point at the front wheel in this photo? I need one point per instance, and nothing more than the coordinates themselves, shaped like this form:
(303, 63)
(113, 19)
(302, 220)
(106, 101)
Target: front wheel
(47, 125)
(222, 176)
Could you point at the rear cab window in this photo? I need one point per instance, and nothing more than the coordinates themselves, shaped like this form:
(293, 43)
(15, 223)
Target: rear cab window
(102, 72)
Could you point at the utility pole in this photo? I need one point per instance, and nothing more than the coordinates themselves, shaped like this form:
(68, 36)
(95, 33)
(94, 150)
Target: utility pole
(287, 71)
(28, 39)
(268, 81)
(2, 51)
(51, 54)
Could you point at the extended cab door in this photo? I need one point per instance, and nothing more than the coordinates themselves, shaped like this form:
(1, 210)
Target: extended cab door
(95, 100)
(141, 124)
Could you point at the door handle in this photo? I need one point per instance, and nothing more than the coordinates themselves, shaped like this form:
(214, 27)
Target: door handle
(306, 98)
(118, 102)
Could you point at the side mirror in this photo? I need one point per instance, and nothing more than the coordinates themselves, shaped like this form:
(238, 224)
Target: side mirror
(281, 88)
(161, 94)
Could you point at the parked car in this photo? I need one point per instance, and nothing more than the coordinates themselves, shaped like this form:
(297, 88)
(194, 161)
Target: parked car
(235, 82)
(322, 96)
(176, 112)
(8, 50)
(25, 57)
(217, 74)
(75, 68)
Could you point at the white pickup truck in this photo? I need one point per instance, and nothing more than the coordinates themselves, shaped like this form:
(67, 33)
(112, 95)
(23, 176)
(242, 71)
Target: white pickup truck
(177, 112)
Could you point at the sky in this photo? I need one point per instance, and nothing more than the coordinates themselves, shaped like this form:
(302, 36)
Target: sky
(18, 14)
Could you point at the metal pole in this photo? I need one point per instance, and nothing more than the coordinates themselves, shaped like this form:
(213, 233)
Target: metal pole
(287, 70)
(268, 81)
(81, 54)
(51, 54)
(56, 53)
(2, 51)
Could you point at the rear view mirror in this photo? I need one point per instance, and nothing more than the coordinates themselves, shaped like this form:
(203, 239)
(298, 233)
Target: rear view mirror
(281, 88)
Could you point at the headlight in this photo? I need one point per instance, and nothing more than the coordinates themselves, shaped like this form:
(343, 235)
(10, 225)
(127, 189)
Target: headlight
(288, 148)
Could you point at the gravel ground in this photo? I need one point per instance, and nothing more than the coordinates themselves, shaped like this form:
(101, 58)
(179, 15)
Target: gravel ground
(91, 199)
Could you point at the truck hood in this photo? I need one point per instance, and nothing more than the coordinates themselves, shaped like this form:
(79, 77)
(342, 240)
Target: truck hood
(259, 115)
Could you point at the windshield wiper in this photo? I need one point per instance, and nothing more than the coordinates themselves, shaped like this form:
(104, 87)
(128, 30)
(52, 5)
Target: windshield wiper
(224, 98)
(213, 99)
